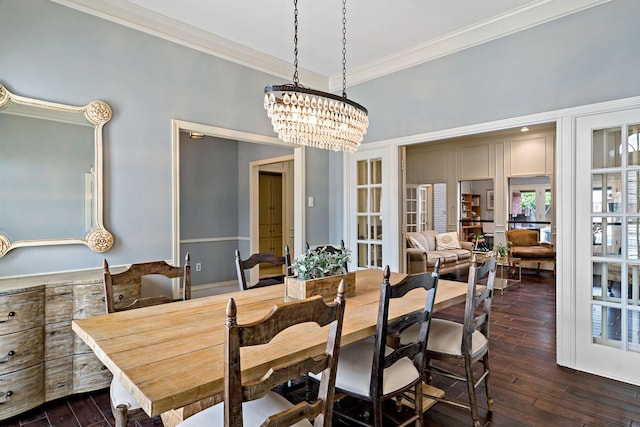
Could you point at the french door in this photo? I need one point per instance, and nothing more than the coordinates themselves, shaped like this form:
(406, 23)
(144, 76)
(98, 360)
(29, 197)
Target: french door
(374, 240)
(607, 241)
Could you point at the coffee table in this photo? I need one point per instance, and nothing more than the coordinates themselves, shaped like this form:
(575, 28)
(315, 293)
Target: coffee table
(512, 276)
(509, 271)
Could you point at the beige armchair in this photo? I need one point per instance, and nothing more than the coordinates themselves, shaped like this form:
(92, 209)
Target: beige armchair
(524, 244)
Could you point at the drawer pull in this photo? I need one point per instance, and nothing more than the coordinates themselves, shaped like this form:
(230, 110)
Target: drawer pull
(103, 368)
(4, 396)
(7, 357)
(9, 316)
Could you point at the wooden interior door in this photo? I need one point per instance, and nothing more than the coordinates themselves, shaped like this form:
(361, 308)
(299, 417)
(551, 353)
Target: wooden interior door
(270, 213)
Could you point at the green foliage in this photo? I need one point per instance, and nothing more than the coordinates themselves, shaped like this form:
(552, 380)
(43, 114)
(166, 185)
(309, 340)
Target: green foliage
(528, 200)
(320, 263)
(502, 250)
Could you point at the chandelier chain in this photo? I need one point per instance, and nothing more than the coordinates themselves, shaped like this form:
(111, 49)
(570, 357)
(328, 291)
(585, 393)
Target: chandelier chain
(314, 118)
(295, 42)
(344, 48)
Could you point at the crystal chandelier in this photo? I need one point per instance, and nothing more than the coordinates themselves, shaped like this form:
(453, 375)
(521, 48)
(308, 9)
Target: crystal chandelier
(310, 117)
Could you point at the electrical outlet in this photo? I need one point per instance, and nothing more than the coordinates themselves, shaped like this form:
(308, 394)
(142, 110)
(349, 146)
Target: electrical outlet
(198, 266)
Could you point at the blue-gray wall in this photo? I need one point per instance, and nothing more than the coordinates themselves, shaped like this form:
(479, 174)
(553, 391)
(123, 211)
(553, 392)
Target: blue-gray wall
(584, 58)
(62, 55)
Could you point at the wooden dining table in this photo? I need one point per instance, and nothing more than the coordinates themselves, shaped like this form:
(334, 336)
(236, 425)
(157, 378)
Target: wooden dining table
(170, 357)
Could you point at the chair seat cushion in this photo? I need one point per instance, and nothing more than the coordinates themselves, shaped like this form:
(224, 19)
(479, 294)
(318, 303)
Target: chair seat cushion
(446, 257)
(462, 254)
(533, 252)
(253, 413)
(120, 396)
(445, 337)
(354, 370)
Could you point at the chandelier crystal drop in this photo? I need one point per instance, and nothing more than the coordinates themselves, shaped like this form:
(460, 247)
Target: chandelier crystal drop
(313, 118)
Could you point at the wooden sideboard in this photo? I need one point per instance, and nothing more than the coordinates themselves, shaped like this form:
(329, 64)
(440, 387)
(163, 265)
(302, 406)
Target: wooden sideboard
(41, 359)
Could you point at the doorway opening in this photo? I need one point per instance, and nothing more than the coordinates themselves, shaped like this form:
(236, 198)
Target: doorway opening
(477, 203)
(275, 211)
(530, 205)
(227, 225)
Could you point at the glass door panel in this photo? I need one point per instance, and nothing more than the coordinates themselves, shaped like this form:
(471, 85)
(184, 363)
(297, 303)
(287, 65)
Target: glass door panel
(411, 208)
(616, 235)
(608, 295)
(633, 145)
(369, 213)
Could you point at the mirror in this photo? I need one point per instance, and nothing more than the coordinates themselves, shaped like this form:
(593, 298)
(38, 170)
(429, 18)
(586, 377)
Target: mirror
(51, 173)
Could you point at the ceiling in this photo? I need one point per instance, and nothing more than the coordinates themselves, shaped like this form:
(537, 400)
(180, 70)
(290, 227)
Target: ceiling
(383, 36)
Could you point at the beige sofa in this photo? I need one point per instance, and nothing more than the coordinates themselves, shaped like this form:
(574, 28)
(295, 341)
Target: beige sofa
(425, 247)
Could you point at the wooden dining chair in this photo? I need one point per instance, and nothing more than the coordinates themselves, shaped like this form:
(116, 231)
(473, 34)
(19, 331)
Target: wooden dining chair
(250, 401)
(372, 371)
(465, 343)
(329, 249)
(124, 291)
(262, 258)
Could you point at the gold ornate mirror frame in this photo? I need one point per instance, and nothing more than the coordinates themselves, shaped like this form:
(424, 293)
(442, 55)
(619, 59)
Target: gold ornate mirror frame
(94, 114)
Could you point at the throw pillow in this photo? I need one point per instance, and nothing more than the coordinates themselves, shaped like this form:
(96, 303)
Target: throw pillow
(446, 241)
(415, 244)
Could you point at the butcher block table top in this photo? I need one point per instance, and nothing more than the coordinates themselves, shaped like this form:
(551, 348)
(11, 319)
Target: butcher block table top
(171, 355)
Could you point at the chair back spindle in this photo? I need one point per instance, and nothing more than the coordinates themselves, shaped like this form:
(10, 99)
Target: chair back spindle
(262, 258)
(281, 317)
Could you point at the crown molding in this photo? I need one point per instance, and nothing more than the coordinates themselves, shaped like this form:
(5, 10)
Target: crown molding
(492, 29)
(150, 22)
(153, 23)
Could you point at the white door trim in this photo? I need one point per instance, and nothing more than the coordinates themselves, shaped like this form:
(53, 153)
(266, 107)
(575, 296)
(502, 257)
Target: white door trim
(240, 136)
(564, 181)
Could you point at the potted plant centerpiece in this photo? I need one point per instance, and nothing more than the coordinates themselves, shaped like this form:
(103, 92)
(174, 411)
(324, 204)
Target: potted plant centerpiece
(319, 272)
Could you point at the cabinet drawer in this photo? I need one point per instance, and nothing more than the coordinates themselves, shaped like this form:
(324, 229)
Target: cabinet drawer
(58, 340)
(58, 305)
(79, 346)
(58, 378)
(21, 390)
(21, 350)
(20, 311)
(88, 300)
(89, 373)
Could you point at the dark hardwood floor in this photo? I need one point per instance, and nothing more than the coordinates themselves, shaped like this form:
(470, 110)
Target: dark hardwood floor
(529, 388)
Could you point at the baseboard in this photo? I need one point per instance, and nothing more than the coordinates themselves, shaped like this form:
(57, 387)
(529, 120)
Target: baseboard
(214, 288)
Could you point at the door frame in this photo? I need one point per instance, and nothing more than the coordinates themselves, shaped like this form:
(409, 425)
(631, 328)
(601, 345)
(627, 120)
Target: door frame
(177, 126)
(255, 168)
(391, 208)
(564, 191)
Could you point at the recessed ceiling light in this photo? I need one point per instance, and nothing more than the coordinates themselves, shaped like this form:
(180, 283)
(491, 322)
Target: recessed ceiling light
(524, 129)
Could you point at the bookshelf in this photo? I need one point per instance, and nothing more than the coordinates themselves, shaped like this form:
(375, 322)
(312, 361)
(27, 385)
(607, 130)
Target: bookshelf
(470, 215)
